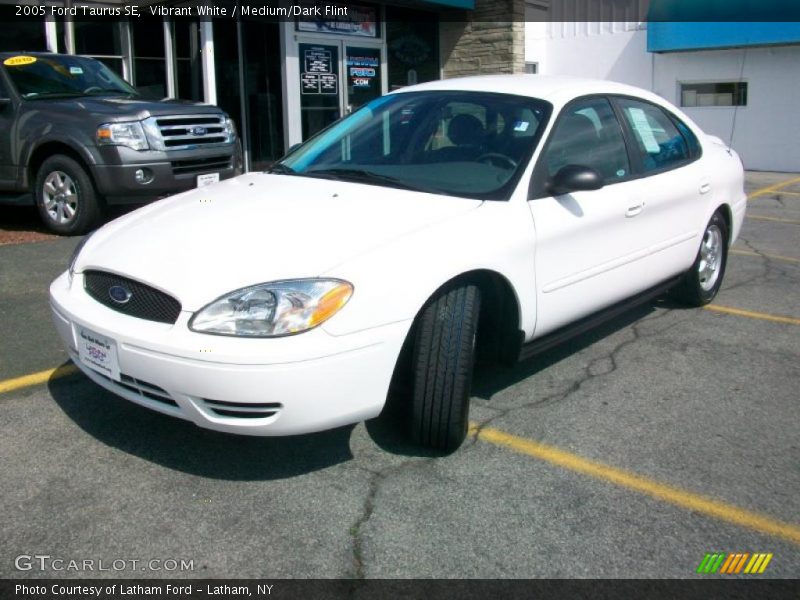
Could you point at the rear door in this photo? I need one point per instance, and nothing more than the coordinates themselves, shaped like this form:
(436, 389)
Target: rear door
(673, 185)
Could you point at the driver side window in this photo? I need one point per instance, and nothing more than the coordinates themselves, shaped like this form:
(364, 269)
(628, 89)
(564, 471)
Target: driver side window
(588, 134)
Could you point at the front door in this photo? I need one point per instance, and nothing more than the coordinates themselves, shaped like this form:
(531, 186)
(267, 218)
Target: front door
(587, 242)
(336, 78)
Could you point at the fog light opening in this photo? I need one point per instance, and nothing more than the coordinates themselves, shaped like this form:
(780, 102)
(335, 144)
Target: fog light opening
(143, 176)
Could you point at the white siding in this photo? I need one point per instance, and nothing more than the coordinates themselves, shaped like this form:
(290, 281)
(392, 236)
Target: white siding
(766, 131)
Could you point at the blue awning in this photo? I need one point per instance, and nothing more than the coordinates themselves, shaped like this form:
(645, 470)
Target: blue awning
(724, 10)
(465, 4)
(676, 37)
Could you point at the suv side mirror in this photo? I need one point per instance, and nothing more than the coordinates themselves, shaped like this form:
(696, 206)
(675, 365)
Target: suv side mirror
(575, 178)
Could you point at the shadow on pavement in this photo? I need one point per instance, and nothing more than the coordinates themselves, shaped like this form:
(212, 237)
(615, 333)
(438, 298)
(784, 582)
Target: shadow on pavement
(181, 445)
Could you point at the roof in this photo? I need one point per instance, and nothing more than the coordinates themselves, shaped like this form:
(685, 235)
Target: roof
(556, 89)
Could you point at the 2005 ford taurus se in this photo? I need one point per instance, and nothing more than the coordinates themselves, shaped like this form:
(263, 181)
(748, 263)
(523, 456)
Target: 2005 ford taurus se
(490, 215)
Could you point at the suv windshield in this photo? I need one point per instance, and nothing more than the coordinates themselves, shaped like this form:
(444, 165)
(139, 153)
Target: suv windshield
(470, 144)
(64, 75)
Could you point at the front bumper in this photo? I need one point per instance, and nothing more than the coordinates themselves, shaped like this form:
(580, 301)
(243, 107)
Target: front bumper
(252, 387)
(169, 173)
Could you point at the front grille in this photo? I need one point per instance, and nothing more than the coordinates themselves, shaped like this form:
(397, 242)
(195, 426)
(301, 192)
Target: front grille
(145, 302)
(243, 410)
(182, 131)
(200, 165)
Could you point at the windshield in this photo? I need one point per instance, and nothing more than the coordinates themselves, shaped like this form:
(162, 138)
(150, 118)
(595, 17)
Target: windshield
(470, 144)
(64, 76)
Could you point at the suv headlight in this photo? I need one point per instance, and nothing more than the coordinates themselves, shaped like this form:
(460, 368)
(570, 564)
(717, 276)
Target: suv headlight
(230, 129)
(273, 309)
(123, 134)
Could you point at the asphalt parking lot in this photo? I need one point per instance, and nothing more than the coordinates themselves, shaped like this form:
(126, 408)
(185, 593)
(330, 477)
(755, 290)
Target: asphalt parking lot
(630, 452)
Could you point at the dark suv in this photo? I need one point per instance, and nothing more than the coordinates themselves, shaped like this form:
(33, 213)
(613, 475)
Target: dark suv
(75, 137)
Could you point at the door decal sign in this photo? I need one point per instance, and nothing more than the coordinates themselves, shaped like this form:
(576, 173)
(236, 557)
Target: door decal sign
(318, 77)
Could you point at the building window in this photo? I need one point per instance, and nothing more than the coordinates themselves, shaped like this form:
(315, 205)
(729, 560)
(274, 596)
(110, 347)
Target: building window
(412, 46)
(149, 66)
(103, 40)
(25, 33)
(714, 94)
(532, 68)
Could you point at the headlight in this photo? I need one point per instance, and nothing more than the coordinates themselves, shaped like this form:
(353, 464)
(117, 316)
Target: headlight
(122, 134)
(273, 309)
(75, 253)
(230, 129)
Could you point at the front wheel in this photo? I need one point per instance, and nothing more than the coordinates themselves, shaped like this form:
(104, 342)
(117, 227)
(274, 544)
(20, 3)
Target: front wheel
(65, 196)
(444, 353)
(701, 283)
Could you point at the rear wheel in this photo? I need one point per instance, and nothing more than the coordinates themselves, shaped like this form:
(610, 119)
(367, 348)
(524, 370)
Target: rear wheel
(65, 196)
(444, 353)
(702, 282)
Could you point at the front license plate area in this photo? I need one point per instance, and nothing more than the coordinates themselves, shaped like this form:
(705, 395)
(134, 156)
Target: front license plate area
(207, 179)
(98, 352)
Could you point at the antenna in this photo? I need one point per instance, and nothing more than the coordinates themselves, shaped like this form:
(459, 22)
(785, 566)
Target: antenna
(736, 98)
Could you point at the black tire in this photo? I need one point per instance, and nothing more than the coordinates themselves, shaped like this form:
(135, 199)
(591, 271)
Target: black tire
(65, 196)
(700, 283)
(442, 362)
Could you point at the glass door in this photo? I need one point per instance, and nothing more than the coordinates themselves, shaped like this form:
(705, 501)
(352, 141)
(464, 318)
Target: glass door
(320, 92)
(336, 78)
(363, 75)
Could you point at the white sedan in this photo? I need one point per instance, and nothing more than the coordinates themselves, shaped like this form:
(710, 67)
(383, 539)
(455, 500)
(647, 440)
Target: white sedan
(492, 215)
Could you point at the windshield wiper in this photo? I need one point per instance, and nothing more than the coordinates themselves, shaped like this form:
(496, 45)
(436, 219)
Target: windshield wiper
(281, 169)
(46, 95)
(362, 176)
(98, 91)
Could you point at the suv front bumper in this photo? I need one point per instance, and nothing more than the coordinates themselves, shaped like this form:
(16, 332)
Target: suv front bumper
(167, 175)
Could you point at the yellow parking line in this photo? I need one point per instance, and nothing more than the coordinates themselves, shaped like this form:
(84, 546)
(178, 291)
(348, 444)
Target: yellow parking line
(770, 256)
(773, 219)
(785, 193)
(660, 491)
(773, 188)
(10, 385)
(751, 314)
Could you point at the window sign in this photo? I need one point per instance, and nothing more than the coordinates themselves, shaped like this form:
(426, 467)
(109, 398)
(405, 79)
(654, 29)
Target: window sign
(319, 76)
(358, 21)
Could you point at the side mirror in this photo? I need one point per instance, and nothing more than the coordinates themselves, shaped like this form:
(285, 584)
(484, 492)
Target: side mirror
(575, 178)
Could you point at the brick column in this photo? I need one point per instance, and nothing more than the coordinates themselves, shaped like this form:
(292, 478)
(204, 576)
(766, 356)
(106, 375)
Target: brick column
(491, 39)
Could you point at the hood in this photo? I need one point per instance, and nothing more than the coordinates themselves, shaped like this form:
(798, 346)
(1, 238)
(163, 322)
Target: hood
(120, 108)
(257, 228)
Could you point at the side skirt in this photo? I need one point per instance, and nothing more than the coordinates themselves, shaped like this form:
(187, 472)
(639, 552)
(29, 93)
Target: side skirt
(559, 336)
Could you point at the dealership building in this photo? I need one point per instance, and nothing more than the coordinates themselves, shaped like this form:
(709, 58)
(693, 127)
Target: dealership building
(282, 79)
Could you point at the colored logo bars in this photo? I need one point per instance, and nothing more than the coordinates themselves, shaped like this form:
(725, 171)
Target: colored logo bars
(734, 563)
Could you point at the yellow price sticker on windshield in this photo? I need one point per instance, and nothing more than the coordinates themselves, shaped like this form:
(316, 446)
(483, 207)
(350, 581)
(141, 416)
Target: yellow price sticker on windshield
(17, 61)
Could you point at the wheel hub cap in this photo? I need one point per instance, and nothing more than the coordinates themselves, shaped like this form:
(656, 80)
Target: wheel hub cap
(60, 197)
(710, 252)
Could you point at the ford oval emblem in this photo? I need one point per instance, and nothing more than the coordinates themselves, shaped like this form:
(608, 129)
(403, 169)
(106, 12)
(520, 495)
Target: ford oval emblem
(119, 294)
(198, 131)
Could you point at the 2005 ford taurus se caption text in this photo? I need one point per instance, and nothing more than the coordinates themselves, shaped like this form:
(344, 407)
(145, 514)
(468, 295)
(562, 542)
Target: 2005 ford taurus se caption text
(491, 215)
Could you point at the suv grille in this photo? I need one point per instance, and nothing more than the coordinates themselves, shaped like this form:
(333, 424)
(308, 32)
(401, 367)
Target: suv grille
(144, 301)
(181, 132)
(213, 163)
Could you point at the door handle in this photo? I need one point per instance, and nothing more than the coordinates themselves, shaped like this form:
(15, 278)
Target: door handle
(634, 210)
(705, 187)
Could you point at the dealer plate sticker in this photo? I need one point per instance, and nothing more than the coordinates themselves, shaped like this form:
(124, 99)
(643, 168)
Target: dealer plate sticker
(207, 179)
(98, 352)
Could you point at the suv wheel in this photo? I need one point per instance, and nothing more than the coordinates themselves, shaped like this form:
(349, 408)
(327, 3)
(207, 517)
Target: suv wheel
(65, 196)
